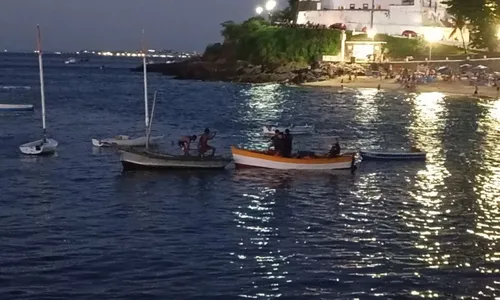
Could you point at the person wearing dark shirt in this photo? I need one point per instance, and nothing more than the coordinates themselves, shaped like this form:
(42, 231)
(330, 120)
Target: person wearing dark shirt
(335, 150)
(288, 141)
(277, 142)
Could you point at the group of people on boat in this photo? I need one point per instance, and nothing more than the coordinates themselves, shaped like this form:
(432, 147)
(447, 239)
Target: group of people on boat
(203, 147)
(282, 143)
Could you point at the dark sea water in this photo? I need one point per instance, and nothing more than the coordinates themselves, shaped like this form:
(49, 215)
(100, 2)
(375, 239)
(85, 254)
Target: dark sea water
(74, 226)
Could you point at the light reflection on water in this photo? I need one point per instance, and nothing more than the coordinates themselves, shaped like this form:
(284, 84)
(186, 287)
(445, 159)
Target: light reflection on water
(487, 190)
(260, 253)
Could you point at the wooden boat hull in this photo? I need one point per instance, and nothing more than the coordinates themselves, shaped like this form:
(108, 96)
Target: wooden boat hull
(384, 155)
(256, 159)
(40, 147)
(134, 160)
(294, 130)
(125, 141)
(16, 107)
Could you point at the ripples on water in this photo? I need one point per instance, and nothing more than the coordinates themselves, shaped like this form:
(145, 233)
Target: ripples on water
(75, 226)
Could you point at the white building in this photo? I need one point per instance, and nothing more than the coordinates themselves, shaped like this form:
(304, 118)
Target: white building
(385, 16)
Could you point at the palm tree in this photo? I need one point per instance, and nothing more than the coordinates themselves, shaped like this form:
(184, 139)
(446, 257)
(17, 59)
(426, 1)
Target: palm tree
(459, 24)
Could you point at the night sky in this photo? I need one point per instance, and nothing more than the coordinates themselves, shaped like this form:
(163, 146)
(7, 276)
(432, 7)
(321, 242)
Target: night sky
(71, 25)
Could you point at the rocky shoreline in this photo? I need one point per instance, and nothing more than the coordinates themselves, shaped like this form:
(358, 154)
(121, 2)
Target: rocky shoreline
(244, 72)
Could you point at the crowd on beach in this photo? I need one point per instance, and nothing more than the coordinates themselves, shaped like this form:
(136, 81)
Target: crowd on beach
(474, 76)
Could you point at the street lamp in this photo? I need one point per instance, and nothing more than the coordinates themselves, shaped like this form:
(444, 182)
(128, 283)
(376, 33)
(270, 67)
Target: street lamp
(432, 36)
(270, 5)
(371, 33)
(259, 10)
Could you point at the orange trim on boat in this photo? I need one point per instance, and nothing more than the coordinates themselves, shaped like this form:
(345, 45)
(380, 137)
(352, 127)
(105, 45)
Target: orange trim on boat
(305, 160)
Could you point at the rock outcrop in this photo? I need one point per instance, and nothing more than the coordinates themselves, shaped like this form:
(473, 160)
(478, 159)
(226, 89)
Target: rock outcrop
(240, 71)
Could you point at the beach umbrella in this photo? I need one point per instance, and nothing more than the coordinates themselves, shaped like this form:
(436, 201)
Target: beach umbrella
(465, 66)
(442, 69)
(481, 67)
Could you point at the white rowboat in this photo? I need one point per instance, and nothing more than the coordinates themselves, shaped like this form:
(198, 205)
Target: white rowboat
(295, 130)
(126, 141)
(392, 155)
(16, 107)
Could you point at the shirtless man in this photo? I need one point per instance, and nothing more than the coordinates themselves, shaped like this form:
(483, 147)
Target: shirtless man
(203, 145)
(185, 142)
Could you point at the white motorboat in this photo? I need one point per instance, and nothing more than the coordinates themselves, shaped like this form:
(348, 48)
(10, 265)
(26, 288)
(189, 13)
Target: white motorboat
(125, 140)
(44, 145)
(70, 60)
(295, 130)
(16, 107)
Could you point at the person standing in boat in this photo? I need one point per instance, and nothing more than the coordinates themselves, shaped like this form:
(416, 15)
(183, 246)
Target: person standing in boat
(277, 142)
(185, 143)
(335, 150)
(288, 141)
(203, 145)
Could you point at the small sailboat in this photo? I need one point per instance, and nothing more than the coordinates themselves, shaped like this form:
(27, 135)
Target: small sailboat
(44, 145)
(125, 140)
(132, 159)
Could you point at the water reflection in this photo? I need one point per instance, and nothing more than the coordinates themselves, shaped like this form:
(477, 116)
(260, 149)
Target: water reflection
(260, 251)
(263, 103)
(428, 187)
(487, 189)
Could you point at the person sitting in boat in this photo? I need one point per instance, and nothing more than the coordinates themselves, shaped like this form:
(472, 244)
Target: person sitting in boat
(335, 150)
(277, 141)
(203, 145)
(185, 143)
(288, 141)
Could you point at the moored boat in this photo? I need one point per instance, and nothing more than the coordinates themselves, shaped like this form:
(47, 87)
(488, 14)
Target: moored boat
(125, 141)
(40, 147)
(135, 159)
(266, 159)
(295, 130)
(44, 145)
(414, 154)
(16, 107)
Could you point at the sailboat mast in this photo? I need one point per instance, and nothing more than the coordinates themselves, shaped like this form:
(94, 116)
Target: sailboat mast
(145, 71)
(42, 85)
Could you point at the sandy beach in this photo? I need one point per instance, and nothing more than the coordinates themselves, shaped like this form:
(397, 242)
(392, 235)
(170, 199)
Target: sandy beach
(455, 88)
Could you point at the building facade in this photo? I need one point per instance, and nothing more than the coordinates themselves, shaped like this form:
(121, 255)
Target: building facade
(392, 17)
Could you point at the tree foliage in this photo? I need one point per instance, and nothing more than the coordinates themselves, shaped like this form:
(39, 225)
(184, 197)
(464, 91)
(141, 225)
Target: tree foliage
(259, 42)
(482, 17)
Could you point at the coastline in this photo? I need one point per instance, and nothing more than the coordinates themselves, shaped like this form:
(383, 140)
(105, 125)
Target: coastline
(454, 88)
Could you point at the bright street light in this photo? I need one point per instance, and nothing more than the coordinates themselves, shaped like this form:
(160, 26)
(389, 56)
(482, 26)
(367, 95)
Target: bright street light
(270, 5)
(259, 10)
(371, 33)
(432, 36)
